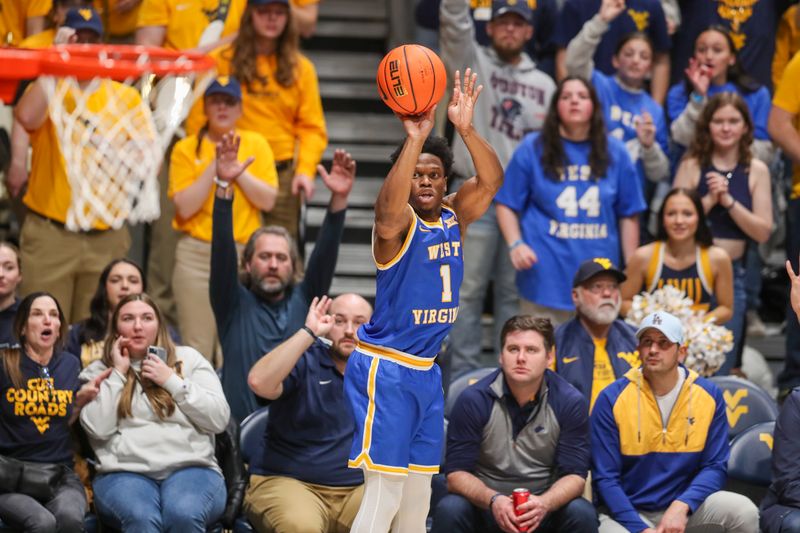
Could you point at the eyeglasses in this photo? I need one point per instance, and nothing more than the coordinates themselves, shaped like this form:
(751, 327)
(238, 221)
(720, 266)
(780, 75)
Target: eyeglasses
(44, 373)
(664, 344)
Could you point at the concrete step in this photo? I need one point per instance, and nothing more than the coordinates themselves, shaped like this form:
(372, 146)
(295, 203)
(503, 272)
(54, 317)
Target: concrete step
(354, 259)
(362, 30)
(352, 9)
(338, 65)
(363, 195)
(364, 154)
(367, 128)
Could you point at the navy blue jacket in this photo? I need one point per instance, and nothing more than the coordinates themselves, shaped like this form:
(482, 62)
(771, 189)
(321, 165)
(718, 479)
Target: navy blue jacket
(575, 353)
(784, 492)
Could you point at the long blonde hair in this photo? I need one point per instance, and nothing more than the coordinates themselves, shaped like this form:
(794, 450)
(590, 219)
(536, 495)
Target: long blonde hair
(161, 400)
(245, 52)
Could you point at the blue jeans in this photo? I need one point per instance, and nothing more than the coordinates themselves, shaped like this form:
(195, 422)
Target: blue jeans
(486, 259)
(736, 323)
(790, 375)
(455, 514)
(190, 499)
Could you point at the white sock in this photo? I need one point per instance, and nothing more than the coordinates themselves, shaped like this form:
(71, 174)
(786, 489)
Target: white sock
(382, 496)
(413, 511)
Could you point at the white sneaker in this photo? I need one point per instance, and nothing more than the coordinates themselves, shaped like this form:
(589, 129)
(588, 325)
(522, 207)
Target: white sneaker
(755, 326)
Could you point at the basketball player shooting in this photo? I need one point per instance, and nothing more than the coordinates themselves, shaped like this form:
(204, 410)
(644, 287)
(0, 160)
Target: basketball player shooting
(393, 386)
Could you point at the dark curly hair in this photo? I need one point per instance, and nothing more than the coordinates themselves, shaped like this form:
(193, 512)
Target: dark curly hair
(702, 147)
(433, 145)
(553, 157)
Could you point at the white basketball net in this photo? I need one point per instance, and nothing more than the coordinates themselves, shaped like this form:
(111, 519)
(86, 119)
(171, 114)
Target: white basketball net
(113, 136)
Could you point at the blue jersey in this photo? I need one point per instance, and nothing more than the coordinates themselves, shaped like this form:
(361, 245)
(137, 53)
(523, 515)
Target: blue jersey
(623, 108)
(416, 298)
(569, 219)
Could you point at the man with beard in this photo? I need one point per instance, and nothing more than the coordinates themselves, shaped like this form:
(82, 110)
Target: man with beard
(514, 102)
(301, 482)
(595, 348)
(260, 307)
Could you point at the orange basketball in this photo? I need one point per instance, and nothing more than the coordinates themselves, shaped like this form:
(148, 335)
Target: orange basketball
(411, 79)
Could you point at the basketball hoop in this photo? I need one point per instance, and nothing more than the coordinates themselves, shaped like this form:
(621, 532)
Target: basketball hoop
(115, 109)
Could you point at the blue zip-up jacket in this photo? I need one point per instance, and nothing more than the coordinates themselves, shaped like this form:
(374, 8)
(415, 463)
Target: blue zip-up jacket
(575, 353)
(639, 464)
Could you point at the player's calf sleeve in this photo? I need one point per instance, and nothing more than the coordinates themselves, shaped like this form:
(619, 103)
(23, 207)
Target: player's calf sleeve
(382, 496)
(413, 511)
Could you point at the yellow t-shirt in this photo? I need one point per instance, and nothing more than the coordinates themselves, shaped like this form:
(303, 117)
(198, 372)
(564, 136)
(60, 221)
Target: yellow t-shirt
(787, 43)
(288, 117)
(787, 97)
(14, 15)
(603, 374)
(49, 192)
(42, 39)
(185, 167)
(185, 20)
(115, 23)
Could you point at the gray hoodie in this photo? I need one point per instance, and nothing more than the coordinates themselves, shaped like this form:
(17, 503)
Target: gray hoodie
(145, 444)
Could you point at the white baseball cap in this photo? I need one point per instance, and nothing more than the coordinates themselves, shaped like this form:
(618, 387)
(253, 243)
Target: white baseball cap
(664, 322)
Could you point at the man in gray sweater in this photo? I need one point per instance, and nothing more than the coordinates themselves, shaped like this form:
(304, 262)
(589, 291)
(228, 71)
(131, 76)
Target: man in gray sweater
(514, 102)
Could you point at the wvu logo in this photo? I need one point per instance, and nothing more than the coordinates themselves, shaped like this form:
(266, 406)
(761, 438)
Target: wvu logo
(632, 358)
(640, 18)
(42, 423)
(85, 13)
(603, 262)
(733, 408)
(450, 222)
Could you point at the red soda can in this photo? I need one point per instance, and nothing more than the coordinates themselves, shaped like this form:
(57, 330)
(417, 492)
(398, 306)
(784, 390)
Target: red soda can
(520, 496)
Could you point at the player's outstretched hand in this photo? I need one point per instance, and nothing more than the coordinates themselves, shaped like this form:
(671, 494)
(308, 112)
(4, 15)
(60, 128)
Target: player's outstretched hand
(342, 175)
(794, 297)
(462, 103)
(228, 166)
(418, 126)
(318, 320)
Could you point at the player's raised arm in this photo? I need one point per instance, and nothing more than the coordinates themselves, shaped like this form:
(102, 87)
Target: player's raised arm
(392, 214)
(473, 198)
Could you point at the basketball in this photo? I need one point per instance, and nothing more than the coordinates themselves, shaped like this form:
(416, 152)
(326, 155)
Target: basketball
(411, 79)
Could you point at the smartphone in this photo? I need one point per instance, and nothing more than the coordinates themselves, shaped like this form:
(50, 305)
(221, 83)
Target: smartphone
(157, 351)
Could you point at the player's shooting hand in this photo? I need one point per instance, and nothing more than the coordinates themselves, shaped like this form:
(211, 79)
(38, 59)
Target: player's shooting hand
(462, 104)
(228, 166)
(523, 257)
(504, 515)
(418, 126)
(318, 320)
(342, 175)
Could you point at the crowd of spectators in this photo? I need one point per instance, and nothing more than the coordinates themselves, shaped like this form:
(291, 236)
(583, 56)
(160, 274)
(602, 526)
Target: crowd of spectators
(643, 143)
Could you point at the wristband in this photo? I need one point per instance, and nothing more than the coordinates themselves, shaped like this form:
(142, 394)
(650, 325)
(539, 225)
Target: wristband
(515, 244)
(696, 98)
(493, 498)
(221, 184)
(308, 330)
(733, 203)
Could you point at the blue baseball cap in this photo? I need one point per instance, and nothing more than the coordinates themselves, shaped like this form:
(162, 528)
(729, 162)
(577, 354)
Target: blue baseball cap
(225, 85)
(266, 2)
(592, 267)
(664, 322)
(519, 7)
(84, 18)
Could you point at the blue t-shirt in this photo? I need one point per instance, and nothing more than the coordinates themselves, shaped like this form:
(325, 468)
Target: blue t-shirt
(310, 427)
(752, 25)
(639, 15)
(622, 108)
(568, 220)
(35, 417)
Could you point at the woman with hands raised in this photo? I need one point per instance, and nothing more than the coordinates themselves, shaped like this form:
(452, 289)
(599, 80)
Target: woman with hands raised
(152, 427)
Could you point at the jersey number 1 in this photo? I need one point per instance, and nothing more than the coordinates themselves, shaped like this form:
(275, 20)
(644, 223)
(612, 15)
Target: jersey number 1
(447, 292)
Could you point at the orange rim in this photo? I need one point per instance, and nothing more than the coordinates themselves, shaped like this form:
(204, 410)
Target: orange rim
(86, 61)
